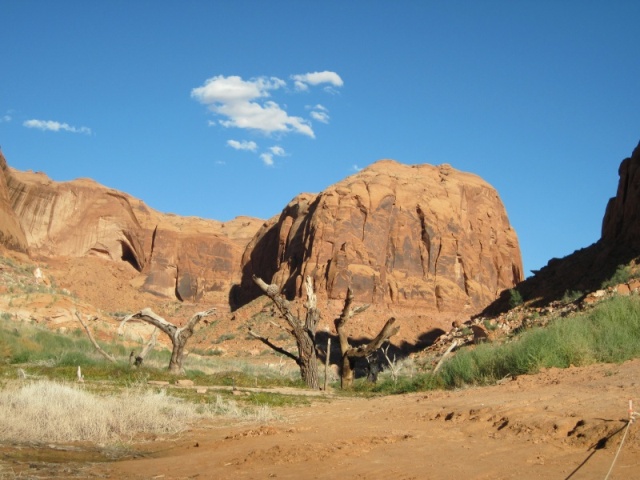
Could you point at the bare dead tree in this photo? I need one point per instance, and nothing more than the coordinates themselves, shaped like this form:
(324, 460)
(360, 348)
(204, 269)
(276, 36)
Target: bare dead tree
(349, 353)
(134, 359)
(304, 332)
(177, 335)
(109, 357)
(394, 366)
(138, 359)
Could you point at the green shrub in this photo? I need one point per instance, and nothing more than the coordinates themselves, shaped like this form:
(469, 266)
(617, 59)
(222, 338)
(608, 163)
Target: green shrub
(571, 296)
(515, 298)
(608, 333)
(223, 338)
(623, 274)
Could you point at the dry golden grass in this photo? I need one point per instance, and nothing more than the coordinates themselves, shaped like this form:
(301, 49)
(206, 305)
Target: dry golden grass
(46, 411)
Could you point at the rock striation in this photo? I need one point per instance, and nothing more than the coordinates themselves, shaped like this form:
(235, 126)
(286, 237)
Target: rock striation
(177, 257)
(422, 235)
(11, 233)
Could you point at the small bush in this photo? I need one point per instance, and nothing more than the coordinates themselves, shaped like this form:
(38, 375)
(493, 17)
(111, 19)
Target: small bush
(623, 274)
(571, 296)
(515, 298)
(223, 338)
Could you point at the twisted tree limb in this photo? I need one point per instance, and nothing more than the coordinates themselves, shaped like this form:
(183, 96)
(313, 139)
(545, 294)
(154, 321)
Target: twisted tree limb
(93, 340)
(272, 345)
(303, 332)
(349, 353)
(177, 335)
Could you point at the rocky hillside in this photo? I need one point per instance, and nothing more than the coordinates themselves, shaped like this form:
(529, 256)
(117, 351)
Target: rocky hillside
(586, 269)
(429, 237)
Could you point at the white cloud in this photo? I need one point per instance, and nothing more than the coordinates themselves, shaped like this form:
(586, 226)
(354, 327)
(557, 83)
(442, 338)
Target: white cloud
(54, 126)
(356, 168)
(5, 118)
(319, 113)
(240, 103)
(320, 116)
(267, 158)
(278, 151)
(243, 145)
(303, 81)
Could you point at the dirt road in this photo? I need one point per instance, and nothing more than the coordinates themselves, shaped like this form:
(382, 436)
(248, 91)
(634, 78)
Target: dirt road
(559, 424)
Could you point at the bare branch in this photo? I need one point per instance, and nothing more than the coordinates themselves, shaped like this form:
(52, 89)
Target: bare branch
(178, 336)
(149, 316)
(93, 340)
(388, 331)
(122, 323)
(273, 346)
(273, 292)
(149, 346)
(394, 366)
(311, 296)
(280, 327)
(347, 311)
(445, 355)
(303, 332)
(193, 321)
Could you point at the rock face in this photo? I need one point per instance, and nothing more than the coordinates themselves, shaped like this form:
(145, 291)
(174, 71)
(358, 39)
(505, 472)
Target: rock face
(11, 234)
(621, 224)
(398, 235)
(178, 257)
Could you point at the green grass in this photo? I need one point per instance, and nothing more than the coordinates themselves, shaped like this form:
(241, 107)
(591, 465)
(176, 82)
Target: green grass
(610, 333)
(43, 353)
(623, 274)
(386, 386)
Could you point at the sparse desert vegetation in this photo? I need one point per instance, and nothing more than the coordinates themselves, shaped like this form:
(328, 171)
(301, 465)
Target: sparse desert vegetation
(44, 411)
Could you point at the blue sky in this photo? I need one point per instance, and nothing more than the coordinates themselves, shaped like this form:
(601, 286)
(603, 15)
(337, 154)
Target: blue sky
(225, 108)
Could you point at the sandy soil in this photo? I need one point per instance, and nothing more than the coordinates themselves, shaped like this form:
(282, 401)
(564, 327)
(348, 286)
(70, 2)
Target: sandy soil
(559, 424)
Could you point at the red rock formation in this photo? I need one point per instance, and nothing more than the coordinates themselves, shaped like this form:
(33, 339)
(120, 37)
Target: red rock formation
(183, 257)
(404, 235)
(621, 224)
(11, 234)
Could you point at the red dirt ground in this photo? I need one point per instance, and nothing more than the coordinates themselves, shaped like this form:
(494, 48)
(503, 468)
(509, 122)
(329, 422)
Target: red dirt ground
(559, 424)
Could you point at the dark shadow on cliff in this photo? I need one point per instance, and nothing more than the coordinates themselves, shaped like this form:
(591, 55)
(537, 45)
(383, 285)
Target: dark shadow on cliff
(265, 257)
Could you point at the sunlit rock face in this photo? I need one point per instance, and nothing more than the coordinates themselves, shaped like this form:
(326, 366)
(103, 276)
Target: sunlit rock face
(11, 234)
(421, 235)
(185, 258)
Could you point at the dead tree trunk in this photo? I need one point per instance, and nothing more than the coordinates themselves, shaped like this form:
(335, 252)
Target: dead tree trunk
(349, 353)
(177, 335)
(303, 332)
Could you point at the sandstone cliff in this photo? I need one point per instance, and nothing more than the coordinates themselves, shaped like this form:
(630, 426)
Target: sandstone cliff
(177, 257)
(426, 236)
(11, 234)
(621, 224)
